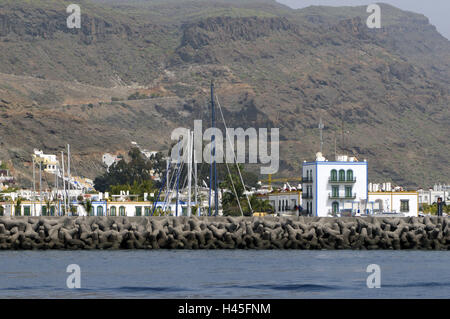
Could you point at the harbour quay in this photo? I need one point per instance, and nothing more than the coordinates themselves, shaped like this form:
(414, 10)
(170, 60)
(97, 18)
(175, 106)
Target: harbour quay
(307, 233)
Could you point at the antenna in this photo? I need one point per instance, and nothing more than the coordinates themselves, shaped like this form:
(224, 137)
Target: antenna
(343, 124)
(321, 127)
(335, 146)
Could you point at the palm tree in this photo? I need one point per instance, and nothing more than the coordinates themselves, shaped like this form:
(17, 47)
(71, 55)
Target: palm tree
(87, 204)
(48, 205)
(261, 206)
(17, 210)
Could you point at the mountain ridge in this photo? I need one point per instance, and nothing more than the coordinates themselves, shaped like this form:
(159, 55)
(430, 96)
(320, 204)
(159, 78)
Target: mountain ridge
(284, 69)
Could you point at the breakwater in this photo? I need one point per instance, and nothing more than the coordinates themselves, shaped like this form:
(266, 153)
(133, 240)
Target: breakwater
(431, 233)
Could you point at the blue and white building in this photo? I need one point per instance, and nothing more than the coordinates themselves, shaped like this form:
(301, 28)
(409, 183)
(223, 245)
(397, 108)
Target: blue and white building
(333, 187)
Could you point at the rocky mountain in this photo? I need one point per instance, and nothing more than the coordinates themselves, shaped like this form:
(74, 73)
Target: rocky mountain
(273, 67)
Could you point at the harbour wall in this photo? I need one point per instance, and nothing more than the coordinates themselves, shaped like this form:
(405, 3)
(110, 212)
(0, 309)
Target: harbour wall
(26, 233)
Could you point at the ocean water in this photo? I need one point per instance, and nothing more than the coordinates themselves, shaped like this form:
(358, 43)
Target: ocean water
(225, 274)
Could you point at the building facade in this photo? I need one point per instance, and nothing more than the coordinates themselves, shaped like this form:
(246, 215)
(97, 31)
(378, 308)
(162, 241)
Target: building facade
(403, 203)
(49, 163)
(330, 188)
(430, 196)
(283, 202)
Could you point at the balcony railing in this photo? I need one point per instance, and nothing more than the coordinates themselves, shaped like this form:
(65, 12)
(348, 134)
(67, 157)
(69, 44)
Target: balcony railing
(307, 179)
(337, 181)
(337, 196)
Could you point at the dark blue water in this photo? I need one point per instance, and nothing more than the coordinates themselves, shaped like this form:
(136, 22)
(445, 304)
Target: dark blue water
(225, 274)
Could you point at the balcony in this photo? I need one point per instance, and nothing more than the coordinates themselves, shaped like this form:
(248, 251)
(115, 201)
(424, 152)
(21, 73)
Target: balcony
(337, 196)
(307, 179)
(338, 181)
(307, 196)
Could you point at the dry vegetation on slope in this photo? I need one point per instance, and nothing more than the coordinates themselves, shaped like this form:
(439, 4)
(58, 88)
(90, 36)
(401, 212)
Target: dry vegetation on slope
(274, 67)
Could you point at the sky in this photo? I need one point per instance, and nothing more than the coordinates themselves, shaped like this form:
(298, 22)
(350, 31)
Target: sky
(438, 11)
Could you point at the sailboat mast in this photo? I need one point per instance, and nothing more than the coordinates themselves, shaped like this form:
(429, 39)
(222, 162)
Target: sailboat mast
(56, 183)
(68, 175)
(40, 185)
(213, 169)
(191, 138)
(195, 182)
(212, 149)
(64, 182)
(34, 189)
(178, 180)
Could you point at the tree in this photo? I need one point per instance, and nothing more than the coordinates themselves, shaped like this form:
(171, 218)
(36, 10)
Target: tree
(87, 204)
(233, 197)
(137, 170)
(17, 207)
(48, 206)
(262, 206)
(137, 188)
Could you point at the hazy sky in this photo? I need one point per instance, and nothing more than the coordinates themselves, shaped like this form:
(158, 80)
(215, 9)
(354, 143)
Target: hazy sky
(438, 11)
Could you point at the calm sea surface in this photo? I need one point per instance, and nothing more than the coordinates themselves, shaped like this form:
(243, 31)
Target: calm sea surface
(224, 274)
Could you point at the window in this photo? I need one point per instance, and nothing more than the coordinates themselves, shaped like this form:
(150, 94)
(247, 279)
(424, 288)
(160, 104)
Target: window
(26, 211)
(147, 211)
(138, 211)
(348, 191)
(112, 211)
(2, 210)
(100, 211)
(121, 211)
(404, 206)
(349, 175)
(91, 211)
(44, 210)
(335, 191)
(52, 211)
(334, 175)
(341, 175)
(335, 207)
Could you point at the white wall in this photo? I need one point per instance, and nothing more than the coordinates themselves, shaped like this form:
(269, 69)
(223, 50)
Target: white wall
(392, 202)
(321, 186)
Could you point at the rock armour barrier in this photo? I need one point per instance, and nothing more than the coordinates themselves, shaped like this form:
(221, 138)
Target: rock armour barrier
(24, 233)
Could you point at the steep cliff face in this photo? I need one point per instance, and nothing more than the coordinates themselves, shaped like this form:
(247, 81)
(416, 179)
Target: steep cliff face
(274, 67)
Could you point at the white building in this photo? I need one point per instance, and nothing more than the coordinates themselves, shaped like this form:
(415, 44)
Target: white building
(330, 188)
(402, 203)
(49, 162)
(430, 196)
(283, 202)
